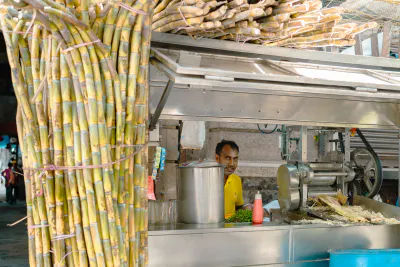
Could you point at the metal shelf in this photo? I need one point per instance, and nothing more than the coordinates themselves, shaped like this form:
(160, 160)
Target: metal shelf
(214, 80)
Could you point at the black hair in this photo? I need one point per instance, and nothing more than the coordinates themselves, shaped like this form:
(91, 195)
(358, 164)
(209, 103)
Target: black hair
(223, 143)
(10, 165)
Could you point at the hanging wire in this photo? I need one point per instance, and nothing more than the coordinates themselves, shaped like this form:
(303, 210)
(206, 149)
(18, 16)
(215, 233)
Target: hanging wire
(276, 126)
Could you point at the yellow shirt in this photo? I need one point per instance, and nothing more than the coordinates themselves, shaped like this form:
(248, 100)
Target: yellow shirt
(233, 194)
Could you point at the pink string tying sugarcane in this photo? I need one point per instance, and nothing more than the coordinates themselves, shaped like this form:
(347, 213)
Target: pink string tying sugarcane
(63, 258)
(40, 89)
(131, 9)
(62, 237)
(307, 4)
(123, 146)
(38, 226)
(51, 167)
(31, 23)
(78, 46)
(251, 38)
(16, 32)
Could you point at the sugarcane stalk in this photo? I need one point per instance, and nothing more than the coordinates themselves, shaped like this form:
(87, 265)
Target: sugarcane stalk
(72, 191)
(164, 4)
(28, 190)
(130, 220)
(93, 123)
(213, 15)
(171, 18)
(236, 3)
(253, 13)
(181, 23)
(108, 174)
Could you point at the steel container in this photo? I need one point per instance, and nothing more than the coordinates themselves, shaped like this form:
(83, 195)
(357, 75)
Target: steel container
(201, 194)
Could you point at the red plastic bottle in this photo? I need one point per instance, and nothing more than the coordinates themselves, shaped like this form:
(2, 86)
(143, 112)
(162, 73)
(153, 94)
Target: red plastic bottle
(258, 211)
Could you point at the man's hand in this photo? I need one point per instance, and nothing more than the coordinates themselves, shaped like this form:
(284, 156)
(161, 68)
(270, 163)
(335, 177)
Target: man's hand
(248, 207)
(251, 206)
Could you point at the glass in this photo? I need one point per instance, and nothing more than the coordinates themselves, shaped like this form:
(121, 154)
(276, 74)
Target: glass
(152, 212)
(164, 216)
(173, 211)
(157, 211)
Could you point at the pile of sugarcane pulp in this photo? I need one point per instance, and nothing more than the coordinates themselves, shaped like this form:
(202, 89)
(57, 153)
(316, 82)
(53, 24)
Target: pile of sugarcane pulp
(80, 72)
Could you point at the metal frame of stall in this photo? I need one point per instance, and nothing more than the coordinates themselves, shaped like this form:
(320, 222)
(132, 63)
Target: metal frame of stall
(200, 79)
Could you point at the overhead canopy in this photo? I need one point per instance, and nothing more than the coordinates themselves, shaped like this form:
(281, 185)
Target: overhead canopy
(226, 81)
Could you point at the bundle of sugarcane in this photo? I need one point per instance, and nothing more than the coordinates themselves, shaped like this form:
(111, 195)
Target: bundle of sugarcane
(79, 72)
(315, 28)
(269, 22)
(209, 18)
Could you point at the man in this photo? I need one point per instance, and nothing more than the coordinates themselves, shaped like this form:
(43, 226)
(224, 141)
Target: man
(7, 175)
(15, 182)
(227, 153)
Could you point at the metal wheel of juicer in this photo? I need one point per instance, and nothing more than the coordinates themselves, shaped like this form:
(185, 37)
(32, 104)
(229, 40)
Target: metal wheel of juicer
(369, 174)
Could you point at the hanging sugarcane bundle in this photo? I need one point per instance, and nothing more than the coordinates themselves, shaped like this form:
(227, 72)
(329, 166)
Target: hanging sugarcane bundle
(79, 72)
(279, 23)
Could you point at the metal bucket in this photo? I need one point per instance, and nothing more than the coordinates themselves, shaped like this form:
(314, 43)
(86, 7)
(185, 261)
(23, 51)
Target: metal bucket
(201, 194)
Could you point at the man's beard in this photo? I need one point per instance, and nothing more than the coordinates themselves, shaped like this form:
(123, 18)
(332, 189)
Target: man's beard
(230, 170)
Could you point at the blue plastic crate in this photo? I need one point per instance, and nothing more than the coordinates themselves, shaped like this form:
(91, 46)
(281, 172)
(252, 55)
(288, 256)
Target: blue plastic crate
(365, 258)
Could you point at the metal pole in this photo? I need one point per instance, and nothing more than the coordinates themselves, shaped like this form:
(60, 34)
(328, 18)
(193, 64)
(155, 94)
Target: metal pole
(347, 145)
(318, 174)
(161, 104)
(303, 143)
(398, 178)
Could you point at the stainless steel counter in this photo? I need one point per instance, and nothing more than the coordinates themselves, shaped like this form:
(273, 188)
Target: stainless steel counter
(269, 244)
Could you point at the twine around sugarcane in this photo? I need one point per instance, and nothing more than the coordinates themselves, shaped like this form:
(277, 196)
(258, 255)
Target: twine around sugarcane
(51, 167)
(63, 258)
(62, 237)
(31, 23)
(131, 9)
(16, 32)
(78, 46)
(38, 226)
(40, 88)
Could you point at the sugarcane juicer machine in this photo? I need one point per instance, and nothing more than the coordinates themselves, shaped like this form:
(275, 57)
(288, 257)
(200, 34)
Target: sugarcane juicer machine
(333, 168)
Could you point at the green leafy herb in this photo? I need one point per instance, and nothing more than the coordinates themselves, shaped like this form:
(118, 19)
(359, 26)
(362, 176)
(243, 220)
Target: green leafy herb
(241, 216)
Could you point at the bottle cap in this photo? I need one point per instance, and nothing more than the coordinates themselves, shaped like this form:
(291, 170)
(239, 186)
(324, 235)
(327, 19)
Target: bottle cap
(258, 195)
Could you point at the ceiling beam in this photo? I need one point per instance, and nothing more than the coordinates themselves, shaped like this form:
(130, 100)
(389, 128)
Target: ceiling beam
(387, 36)
(374, 45)
(358, 46)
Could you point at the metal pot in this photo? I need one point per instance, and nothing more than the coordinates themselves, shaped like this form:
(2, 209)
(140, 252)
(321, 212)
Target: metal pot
(201, 194)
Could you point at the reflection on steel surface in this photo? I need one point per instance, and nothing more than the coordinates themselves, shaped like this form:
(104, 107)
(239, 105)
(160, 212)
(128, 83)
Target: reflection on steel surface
(280, 245)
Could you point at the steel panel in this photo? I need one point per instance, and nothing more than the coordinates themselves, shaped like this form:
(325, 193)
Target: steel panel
(243, 68)
(323, 89)
(164, 40)
(234, 248)
(265, 245)
(286, 109)
(313, 244)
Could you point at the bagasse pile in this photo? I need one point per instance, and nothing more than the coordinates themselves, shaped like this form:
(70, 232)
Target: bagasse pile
(354, 214)
(79, 72)
(288, 23)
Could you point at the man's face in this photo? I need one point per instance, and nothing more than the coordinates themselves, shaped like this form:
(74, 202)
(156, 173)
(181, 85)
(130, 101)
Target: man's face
(228, 157)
